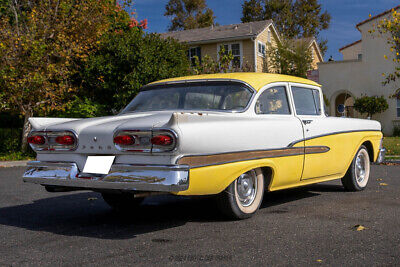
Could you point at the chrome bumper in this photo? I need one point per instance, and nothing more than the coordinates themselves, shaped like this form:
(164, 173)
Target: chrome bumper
(381, 156)
(158, 178)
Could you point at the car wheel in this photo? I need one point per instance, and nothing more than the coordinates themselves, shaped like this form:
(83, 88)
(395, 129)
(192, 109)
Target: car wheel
(242, 198)
(122, 201)
(357, 175)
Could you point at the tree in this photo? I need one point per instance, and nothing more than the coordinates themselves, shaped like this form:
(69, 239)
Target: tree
(42, 45)
(370, 105)
(293, 18)
(291, 58)
(189, 14)
(127, 60)
(390, 27)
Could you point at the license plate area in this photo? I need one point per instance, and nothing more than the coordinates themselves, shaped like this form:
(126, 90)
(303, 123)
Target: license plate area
(99, 165)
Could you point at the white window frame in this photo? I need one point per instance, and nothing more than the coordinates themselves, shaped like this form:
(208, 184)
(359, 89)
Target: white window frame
(397, 107)
(240, 43)
(260, 54)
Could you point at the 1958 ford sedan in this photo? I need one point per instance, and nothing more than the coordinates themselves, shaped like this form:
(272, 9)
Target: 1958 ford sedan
(230, 135)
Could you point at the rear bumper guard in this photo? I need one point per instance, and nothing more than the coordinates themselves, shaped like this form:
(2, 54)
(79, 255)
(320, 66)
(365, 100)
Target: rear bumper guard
(158, 178)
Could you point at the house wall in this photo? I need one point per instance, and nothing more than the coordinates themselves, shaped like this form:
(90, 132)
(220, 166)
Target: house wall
(263, 37)
(247, 51)
(352, 51)
(209, 49)
(363, 77)
(248, 54)
(316, 58)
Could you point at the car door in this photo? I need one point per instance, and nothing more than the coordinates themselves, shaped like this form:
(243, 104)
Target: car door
(278, 127)
(318, 160)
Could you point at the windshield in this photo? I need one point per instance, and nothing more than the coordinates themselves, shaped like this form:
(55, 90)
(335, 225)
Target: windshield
(218, 96)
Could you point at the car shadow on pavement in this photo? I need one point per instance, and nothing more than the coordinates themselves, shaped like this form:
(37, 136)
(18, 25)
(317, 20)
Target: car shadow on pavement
(86, 214)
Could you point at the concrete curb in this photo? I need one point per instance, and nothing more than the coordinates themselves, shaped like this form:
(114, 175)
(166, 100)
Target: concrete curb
(10, 164)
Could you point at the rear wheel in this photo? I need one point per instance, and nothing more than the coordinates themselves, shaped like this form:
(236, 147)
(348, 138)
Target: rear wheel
(122, 201)
(357, 176)
(242, 198)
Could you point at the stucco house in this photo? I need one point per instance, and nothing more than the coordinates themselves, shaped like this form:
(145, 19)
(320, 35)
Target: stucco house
(248, 42)
(360, 73)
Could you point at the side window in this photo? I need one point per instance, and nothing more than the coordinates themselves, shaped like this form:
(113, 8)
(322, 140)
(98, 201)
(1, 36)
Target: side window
(307, 101)
(273, 101)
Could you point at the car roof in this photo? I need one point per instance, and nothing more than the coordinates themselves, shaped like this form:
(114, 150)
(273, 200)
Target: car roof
(255, 80)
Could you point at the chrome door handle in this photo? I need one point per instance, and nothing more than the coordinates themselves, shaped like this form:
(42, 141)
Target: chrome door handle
(307, 122)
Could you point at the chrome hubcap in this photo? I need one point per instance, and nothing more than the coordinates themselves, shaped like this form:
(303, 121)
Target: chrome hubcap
(246, 188)
(360, 168)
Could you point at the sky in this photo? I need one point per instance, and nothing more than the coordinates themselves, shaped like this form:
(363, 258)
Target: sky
(342, 31)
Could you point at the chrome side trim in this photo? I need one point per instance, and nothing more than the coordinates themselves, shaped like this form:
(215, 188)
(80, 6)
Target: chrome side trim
(197, 161)
(158, 178)
(333, 133)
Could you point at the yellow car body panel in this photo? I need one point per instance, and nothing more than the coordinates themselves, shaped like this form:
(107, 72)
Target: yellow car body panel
(287, 172)
(255, 80)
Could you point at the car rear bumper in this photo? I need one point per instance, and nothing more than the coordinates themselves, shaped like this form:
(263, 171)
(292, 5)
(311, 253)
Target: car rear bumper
(157, 178)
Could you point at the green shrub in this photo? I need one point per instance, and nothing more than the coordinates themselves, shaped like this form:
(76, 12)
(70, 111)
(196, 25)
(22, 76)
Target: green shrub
(10, 146)
(371, 105)
(125, 61)
(396, 131)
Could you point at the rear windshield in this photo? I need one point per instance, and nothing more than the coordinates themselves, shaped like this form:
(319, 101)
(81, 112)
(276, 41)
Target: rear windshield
(218, 96)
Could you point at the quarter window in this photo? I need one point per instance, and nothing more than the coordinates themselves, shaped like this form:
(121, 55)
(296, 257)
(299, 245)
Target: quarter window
(273, 101)
(307, 101)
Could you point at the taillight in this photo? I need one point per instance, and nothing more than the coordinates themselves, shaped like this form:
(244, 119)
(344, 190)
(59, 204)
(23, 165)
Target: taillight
(36, 140)
(65, 140)
(145, 140)
(52, 140)
(125, 140)
(133, 140)
(162, 140)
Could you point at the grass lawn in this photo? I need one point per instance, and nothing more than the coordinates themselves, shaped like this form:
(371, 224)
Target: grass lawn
(16, 156)
(392, 145)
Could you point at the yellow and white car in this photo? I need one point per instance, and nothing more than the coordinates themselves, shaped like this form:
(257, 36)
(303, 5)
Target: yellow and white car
(231, 135)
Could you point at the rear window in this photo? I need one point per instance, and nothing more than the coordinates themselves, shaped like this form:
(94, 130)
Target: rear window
(218, 96)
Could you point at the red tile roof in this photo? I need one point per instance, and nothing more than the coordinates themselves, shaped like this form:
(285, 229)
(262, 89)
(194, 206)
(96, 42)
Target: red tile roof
(377, 16)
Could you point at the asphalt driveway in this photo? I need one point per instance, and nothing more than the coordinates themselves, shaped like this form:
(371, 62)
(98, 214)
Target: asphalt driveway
(314, 225)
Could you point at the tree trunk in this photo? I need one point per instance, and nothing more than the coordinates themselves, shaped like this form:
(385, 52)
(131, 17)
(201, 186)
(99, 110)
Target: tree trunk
(25, 130)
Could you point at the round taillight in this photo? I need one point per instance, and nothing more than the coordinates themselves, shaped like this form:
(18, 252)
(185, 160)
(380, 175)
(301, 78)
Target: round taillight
(65, 140)
(125, 140)
(162, 140)
(36, 140)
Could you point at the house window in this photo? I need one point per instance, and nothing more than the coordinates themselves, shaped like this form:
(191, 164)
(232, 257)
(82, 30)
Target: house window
(235, 49)
(193, 53)
(398, 106)
(359, 56)
(261, 49)
(269, 36)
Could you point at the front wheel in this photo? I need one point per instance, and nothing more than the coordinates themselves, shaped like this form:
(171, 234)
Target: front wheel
(242, 198)
(357, 176)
